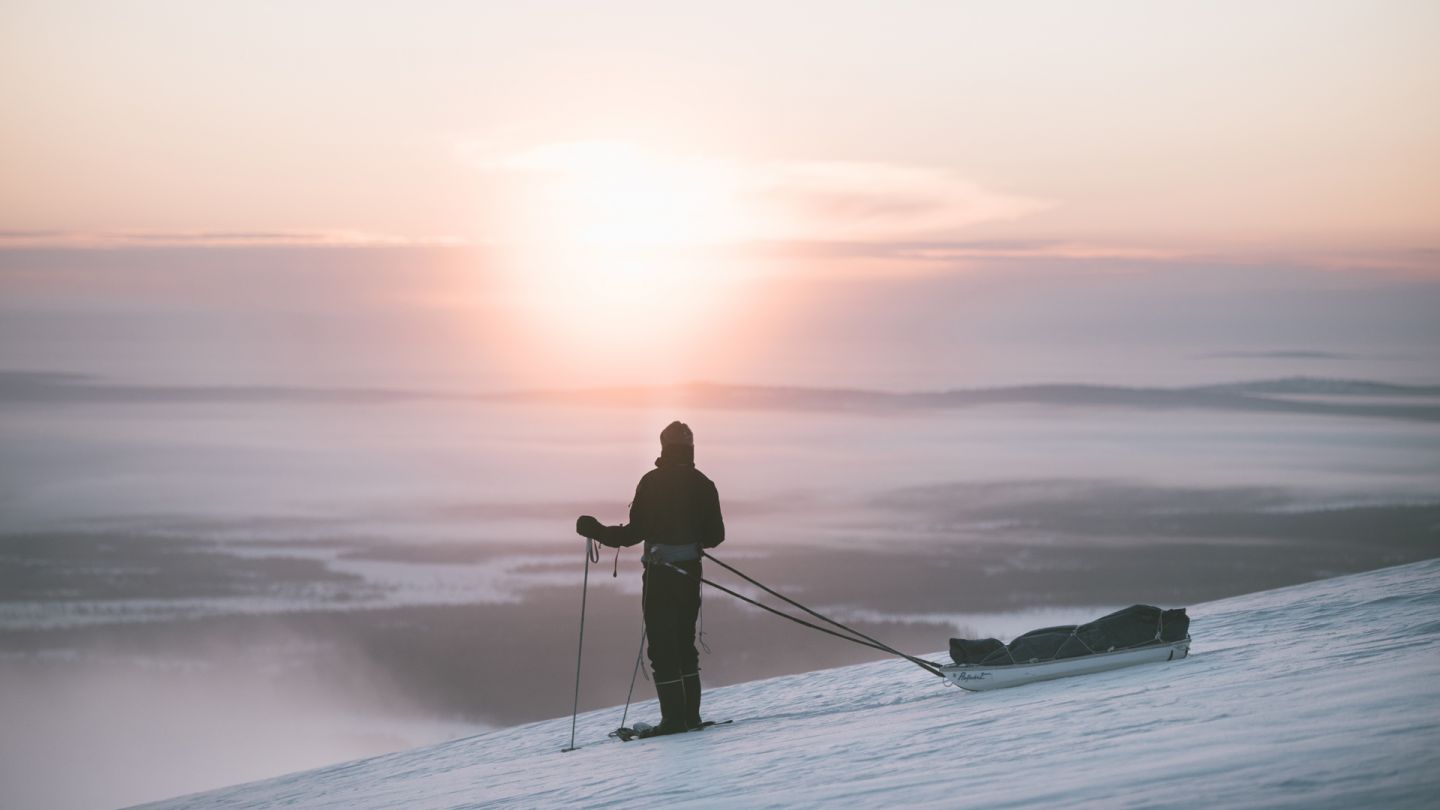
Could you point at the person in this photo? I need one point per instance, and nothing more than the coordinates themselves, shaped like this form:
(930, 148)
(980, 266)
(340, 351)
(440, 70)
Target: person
(676, 513)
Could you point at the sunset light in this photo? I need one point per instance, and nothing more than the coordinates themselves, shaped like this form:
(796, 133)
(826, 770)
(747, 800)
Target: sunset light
(609, 247)
(617, 195)
(337, 338)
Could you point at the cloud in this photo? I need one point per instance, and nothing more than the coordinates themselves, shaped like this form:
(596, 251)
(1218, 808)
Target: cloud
(747, 200)
(210, 238)
(862, 200)
(1278, 354)
(1031, 249)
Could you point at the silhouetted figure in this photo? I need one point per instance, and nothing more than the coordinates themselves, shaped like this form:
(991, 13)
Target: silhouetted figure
(676, 512)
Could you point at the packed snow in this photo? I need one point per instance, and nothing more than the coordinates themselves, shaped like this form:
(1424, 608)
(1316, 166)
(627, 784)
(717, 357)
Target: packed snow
(1325, 694)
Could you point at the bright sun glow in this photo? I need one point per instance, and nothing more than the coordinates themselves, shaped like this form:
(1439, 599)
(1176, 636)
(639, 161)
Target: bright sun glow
(613, 245)
(610, 247)
(617, 195)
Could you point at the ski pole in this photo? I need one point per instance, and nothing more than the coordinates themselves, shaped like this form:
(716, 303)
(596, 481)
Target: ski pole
(633, 675)
(592, 554)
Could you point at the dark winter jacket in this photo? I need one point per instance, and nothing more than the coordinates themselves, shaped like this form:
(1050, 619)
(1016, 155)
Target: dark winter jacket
(675, 507)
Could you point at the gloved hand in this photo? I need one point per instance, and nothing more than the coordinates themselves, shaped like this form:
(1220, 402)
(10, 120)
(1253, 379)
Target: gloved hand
(587, 526)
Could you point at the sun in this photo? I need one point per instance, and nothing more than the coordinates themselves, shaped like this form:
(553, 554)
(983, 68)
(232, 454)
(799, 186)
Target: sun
(612, 249)
(618, 195)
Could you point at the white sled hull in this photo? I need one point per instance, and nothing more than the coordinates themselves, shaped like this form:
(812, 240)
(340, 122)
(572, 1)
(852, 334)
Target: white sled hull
(977, 678)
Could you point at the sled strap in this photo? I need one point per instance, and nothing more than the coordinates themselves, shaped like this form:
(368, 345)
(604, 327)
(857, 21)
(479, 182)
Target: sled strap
(926, 665)
(857, 638)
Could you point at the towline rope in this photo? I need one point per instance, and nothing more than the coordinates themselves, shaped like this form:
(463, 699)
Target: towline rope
(855, 636)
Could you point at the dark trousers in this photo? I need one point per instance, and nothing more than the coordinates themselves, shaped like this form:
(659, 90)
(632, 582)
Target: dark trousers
(672, 604)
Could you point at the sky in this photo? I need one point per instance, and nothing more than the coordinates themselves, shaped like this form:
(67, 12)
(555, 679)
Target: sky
(651, 180)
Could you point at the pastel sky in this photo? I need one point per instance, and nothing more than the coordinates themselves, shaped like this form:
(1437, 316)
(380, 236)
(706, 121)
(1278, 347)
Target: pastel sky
(629, 162)
(1307, 123)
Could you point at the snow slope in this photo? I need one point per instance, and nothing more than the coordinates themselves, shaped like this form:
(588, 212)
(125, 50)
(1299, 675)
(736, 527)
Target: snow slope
(1325, 694)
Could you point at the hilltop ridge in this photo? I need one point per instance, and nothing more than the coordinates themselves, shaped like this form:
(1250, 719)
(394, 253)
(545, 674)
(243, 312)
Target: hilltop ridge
(1316, 695)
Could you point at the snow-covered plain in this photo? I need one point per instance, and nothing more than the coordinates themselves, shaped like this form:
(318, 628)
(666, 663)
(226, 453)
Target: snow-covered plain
(1325, 694)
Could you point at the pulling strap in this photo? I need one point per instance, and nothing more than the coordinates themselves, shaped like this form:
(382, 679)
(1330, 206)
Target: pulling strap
(856, 636)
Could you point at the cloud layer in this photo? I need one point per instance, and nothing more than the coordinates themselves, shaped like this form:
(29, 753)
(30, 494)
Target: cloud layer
(737, 199)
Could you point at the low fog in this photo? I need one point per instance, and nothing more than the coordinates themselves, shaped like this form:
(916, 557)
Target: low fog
(95, 722)
(174, 656)
(238, 540)
(874, 317)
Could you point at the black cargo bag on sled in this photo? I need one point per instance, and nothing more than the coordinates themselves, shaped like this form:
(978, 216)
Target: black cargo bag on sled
(1134, 626)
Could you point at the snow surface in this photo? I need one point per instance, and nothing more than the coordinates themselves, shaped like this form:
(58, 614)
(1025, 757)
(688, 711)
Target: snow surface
(1325, 694)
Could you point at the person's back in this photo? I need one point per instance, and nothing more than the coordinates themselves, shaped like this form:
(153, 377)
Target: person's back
(676, 505)
(676, 513)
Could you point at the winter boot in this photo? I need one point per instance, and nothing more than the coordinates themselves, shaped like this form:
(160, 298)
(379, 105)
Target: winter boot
(672, 707)
(692, 699)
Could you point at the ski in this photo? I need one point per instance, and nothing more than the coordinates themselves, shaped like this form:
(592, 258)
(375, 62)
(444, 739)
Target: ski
(641, 731)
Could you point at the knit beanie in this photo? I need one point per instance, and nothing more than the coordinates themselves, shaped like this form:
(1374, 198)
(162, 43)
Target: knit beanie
(677, 433)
